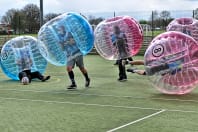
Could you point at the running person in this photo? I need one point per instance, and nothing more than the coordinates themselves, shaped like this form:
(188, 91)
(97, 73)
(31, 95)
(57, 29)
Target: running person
(74, 57)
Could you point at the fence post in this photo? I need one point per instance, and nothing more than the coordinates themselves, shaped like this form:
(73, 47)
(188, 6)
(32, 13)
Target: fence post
(193, 14)
(41, 13)
(19, 25)
(152, 24)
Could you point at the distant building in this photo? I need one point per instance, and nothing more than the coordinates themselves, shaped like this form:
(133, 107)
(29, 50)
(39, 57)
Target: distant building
(5, 28)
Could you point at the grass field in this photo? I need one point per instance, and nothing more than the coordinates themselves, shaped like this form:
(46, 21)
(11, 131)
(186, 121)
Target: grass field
(108, 105)
(155, 33)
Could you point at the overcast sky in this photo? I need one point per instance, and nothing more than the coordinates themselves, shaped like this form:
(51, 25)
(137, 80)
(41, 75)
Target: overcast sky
(60, 6)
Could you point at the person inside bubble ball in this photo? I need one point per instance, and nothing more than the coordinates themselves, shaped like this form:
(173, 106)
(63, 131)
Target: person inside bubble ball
(74, 57)
(25, 75)
(164, 68)
(186, 31)
(119, 40)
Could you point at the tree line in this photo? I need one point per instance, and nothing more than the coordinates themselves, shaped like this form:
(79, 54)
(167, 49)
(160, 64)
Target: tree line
(27, 19)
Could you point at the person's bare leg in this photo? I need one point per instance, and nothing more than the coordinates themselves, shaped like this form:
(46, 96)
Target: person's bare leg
(85, 73)
(137, 62)
(71, 76)
(140, 72)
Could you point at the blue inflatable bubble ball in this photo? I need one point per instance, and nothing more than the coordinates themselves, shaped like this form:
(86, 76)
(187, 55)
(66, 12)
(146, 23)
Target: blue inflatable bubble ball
(55, 38)
(18, 53)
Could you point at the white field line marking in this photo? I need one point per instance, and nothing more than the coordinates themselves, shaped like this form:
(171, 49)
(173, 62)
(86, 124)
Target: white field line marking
(100, 95)
(97, 105)
(77, 103)
(133, 122)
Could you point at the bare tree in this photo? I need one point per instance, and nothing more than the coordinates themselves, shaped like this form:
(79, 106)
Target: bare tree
(9, 15)
(165, 14)
(155, 15)
(154, 19)
(12, 17)
(165, 18)
(196, 13)
(50, 16)
(31, 16)
(95, 21)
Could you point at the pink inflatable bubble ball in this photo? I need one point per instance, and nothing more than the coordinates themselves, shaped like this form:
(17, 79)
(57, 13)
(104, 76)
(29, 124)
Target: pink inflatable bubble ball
(171, 61)
(187, 26)
(118, 38)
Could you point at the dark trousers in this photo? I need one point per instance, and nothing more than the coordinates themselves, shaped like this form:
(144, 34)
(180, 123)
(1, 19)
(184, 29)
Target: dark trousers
(30, 75)
(130, 59)
(122, 71)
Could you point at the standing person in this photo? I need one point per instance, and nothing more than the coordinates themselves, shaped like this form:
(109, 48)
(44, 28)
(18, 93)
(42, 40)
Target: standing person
(119, 40)
(129, 58)
(25, 75)
(74, 57)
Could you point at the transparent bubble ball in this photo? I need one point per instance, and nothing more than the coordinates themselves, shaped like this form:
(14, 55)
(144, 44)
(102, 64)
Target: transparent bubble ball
(118, 38)
(185, 25)
(171, 62)
(16, 49)
(52, 35)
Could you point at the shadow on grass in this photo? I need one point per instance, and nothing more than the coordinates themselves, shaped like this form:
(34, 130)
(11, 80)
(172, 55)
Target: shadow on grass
(189, 96)
(9, 81)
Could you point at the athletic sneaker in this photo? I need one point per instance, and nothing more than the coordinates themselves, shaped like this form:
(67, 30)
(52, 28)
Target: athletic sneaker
(72, 86)
(45, 78)
(87, 83)
(122, 79)
(115, 63)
